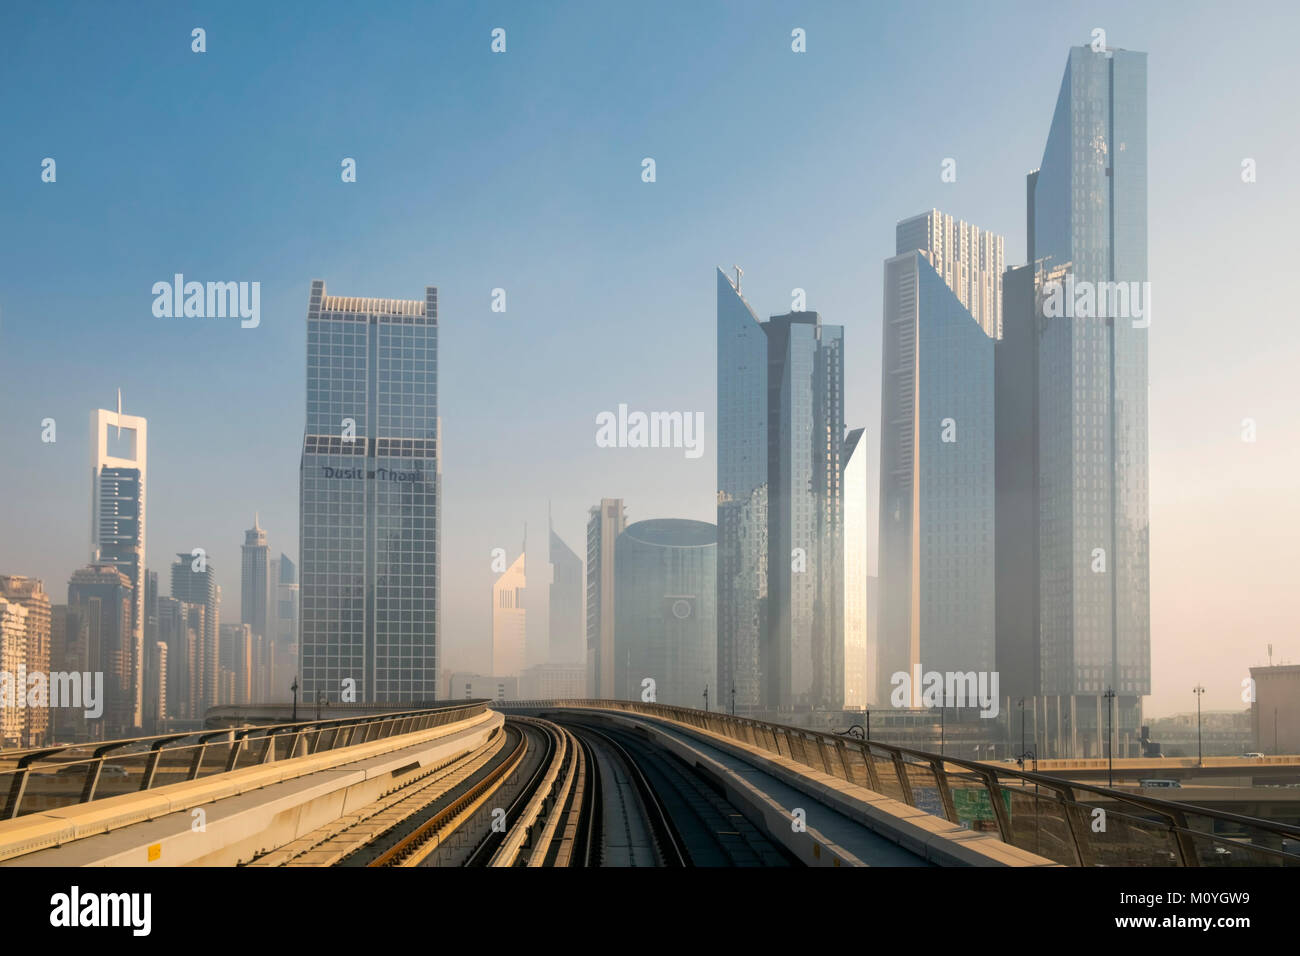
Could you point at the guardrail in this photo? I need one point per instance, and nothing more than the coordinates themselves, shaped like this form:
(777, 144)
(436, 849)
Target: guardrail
(37, 780)
(1074, 824)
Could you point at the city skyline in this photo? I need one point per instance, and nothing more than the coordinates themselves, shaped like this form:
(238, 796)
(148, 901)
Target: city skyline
(1196, 448)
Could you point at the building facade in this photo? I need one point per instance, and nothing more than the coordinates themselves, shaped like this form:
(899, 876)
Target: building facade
(510, 620)
(370, 499)
(567, 618)
(255, 581)
(104, 595)
(859, 668)
(30, 593)
(1088, 231)
(936, 534)
(194, 581)
(119, 473)
(605, 523)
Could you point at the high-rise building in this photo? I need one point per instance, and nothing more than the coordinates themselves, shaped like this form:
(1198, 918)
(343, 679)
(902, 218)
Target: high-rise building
(155, 696)
(664, 612)
(70, 653)
(605, 523)
(804, 663)
(967, 258)
(255, 581)
(1087, 223)
(859, 671)
(780, 508)
(742, 497)
(936, 453)
(567, 626)
(370, 500)
(119, 472)
(30, 593)
(509, 621)
(183, 643)
(284, 646)
(104, 595)
(13, 658)
(195, 582)
(237, 657)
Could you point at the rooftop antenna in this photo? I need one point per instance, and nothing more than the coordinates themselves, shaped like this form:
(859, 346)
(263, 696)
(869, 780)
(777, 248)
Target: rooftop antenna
(1270, 655)
(119, 414)
(739, 272)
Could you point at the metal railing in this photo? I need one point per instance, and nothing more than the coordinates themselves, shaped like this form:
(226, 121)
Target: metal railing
(1071, 823)
(41, 779)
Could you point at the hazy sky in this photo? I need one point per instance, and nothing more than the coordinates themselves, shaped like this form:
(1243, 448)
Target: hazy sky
(522, 171)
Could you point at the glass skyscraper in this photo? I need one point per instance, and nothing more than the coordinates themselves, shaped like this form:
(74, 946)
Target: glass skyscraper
(567, 634)
(936, 451)
(780, 507)
(370, 489)
(1088, 224)
(665, 582)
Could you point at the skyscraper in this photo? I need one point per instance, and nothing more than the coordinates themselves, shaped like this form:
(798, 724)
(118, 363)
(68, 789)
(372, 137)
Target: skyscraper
(30, 593)
(70, 652)
(195, 582)
(742, 496)
(936, 530)
(104, 595)
(509, 621)
(13, 657)
(780, 507)
(859, 672)
(370, 499)
(255, 581)
(284, 646)
(1088, 231)
(605, 523)
(567, 625)
(664, 622)
(804, 665)
(119, 472)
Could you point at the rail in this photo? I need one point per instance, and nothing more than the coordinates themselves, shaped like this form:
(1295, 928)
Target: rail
(1072, 823)
(42, 779)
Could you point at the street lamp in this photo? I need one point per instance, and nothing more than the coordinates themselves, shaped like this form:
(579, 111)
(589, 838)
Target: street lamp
(1198, 690)
(868, 723)
(294, 687)
(1022, 733)
(1110, 755)
(706, 698)
(320, 699)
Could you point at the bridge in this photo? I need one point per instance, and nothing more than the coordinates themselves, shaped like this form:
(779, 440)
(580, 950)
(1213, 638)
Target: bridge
(587, 783)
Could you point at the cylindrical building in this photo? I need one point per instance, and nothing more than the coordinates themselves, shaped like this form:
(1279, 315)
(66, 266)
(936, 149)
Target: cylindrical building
(665, 621)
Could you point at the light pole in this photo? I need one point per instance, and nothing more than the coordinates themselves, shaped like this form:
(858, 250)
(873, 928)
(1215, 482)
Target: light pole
(1110, 756)
(1198, 690)
(294, 687)
(868, 723)
(1022, 733)
(706, 697)
(320, 699)
(733, 698)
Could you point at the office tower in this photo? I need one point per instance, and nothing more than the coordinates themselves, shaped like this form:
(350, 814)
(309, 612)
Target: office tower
(666, 573)
(1088, 233)
(1016, 485)
(104, 595)
(255, 580)
(804, 665)
(237, 662)
(967, 258)
(150, 681)
(567, 627)
(69, 654)
(780, 508)
(936, 463)
(195, 582)
(605, 523)
(155, 697)
(742, 497)
(509, 621)
(173, 630)
(370, 499)
(284, 647)
(30, 593)
(858, 692)
(13, 660)
(118, 468)
(554, 682)
(1275, 710)
(873, 638)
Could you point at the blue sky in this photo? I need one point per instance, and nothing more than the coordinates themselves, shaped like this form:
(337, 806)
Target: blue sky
(522, 171)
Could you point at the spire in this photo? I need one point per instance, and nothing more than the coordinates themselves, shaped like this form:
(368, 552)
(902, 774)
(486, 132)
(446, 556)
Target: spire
(256, 527)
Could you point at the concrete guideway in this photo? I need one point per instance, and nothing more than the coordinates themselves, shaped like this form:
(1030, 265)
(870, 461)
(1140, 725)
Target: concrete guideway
(242, 813)
(845, 824)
